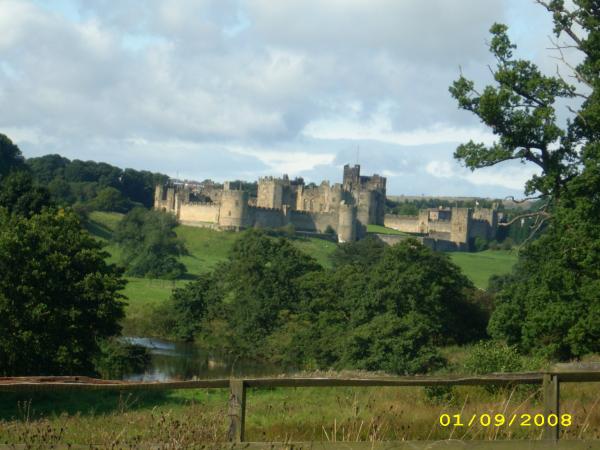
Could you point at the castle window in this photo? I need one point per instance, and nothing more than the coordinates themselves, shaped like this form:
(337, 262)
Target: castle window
(229, 213)
(237, 203)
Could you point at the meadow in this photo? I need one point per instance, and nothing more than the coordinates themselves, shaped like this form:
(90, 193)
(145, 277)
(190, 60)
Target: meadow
(183, 417)
(207, 247)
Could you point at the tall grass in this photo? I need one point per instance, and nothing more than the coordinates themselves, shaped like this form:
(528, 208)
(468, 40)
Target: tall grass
(180, 418)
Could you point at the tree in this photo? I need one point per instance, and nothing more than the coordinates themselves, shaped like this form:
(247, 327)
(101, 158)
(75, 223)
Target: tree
(521, 111)
(260, 284)
(150, 245)
(188, 307)
(110, 199)
(387, 316)
(58, 296)
(550, 304)
(10, 156)
(19, 194)
(365, 252)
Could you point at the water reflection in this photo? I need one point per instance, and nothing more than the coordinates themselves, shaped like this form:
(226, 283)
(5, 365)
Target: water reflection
(184, 361)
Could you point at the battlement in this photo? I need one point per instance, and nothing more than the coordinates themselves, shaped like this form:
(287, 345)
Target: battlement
(264, 208)
(202, 204)
(279, 201)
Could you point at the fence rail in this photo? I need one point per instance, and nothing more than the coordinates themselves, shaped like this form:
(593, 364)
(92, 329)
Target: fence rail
(550, 382)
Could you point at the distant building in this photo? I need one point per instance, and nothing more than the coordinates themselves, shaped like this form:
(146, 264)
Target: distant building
(345, 209)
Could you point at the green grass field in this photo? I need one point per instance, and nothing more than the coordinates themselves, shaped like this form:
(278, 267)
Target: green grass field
(208, 247)
(379, 229)
(180, 419)
(481, 265)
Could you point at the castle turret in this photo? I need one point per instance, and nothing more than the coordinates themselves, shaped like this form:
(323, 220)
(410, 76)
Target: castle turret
(164, 198)
(233, 211)
(460, 225)
(346, 229)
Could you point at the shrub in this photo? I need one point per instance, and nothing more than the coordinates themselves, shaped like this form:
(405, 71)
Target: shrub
(118, 359)
(492, 356)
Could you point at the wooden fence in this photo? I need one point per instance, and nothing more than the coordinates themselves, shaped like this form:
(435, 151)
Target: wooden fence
(550, 382)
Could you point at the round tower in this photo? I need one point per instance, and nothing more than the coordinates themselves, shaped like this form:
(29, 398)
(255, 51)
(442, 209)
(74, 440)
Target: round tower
(346, 229)
(232, 213)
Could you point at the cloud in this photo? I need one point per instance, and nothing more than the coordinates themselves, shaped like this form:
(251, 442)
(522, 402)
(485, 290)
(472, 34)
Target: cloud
(286, 86)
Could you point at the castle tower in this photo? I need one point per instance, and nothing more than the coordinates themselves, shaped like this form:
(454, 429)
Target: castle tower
(346, 229)
(366, 207)
(233, 210)
(270, 193)
(460, 224)
(351, 177)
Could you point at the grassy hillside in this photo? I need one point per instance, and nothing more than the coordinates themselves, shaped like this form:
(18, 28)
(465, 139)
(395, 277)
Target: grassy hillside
(481, 265)
(208, 247)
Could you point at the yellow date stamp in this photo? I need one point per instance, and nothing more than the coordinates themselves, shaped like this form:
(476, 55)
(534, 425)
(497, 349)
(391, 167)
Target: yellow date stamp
(502, 420)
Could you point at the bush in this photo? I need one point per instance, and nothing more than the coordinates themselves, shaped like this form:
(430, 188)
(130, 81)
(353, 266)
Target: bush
(493, 356)
(118, 359)
(507, 244)
(150, 245)
(480, 244)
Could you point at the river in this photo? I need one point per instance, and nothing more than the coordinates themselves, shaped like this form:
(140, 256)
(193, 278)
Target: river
(183, 361)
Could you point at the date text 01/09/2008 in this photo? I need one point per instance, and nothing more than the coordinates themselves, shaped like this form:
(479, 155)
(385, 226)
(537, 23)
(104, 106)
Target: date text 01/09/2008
(500, 420)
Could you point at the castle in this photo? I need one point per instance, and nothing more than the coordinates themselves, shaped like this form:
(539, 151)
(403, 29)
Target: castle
(344, 210)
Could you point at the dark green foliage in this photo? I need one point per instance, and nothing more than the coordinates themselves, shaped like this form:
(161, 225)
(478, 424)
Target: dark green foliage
(117, 359)
(110, 199)
(82, 181)
(19, 195)
(492, 356)
(11, 158)
(58, 297)
(150, 245)
(261, 281)
(364, 253)
(520, 111)
(480, 244)
(389, 315)
(394, 344)
(550, 305)
(387, 310)
(188, 306)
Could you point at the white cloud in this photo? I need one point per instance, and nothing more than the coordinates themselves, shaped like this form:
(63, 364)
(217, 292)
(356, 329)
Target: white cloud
(510, 176)
(276, 86)
(293, 163)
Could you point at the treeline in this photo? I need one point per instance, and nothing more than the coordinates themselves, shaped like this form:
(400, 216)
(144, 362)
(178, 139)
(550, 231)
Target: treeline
(379, 308)
(89, 185)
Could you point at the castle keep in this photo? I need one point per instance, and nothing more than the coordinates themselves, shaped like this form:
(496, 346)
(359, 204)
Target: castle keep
(344, 209)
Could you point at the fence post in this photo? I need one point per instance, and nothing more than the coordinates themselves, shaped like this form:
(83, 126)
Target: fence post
(551, 392)
(237, 410)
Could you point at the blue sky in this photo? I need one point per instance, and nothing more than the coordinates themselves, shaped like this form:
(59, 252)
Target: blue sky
(228, 89)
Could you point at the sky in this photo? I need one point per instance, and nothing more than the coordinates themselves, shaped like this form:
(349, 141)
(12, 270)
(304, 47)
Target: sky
(237, 89)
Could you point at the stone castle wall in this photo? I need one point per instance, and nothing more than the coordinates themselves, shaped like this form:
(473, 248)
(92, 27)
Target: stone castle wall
(346, 208)
(193, 213)
(458, 225)
(408, 224)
